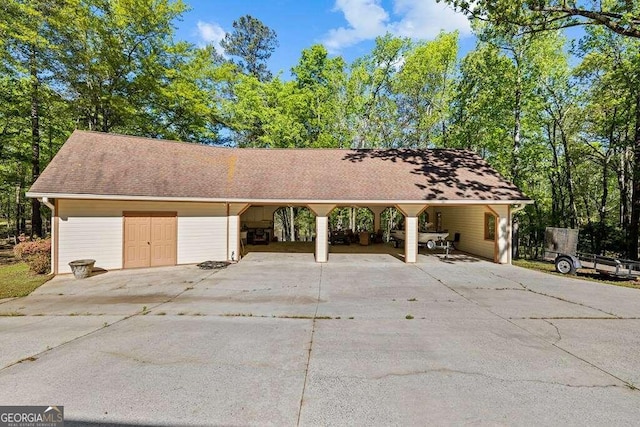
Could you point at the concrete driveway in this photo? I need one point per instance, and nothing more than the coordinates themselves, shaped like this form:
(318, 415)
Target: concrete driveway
(362, 340)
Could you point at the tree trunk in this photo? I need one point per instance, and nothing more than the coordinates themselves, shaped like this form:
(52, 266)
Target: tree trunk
(292, 223)
(602, 227)
(9, 219)
(590, 227)
(352, 219)
(623, 188)
(36, 216)
(283, 216)
(517, 118)
(515, 238)
(635, 196)
(573, 219)
(557, 195)
(516, 133)
(19, 228)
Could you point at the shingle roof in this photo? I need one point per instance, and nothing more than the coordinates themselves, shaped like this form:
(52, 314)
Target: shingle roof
(108, 164)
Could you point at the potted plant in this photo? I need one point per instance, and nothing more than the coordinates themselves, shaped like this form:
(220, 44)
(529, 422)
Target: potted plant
(82, 268)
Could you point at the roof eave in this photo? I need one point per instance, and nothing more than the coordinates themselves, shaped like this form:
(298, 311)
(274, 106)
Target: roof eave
(38, 195)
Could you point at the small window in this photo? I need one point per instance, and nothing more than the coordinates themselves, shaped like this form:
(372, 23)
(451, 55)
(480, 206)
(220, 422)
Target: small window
(489, 226)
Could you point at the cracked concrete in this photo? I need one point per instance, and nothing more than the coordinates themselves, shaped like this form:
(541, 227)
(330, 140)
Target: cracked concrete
(278, 339)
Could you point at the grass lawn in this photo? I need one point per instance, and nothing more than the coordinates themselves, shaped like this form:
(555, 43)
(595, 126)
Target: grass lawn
(585, 273)
(17, 281)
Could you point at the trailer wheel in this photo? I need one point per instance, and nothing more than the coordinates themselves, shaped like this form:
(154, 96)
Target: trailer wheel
(565, 265)
(396, 243)
(431, 244)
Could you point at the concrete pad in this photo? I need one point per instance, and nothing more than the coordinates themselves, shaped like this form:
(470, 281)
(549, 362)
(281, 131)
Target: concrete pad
(173, 371)
(514, 303)
(616, 300)
(364, 259)
(463, 272)
(27, 336)
(257, 289)
(609, 344)
(391, 291)
(139, 281)
(424, 372)
(558, 296)
(123, 292)
(476, 350)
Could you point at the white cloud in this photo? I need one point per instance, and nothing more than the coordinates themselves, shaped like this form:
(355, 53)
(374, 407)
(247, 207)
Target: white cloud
(367, 19)
(211, 33)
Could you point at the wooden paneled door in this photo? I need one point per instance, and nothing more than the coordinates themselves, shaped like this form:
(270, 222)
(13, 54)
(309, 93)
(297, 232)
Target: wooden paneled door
(163, 240)
(150, 239)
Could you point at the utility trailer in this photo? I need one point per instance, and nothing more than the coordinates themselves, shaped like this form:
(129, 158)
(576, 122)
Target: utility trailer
(610, 266)
(561, 248)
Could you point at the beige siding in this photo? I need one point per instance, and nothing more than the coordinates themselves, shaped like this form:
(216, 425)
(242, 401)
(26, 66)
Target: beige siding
(259, 213)
(258, 216)
(93, 229)
(503, 233)
(469, 222)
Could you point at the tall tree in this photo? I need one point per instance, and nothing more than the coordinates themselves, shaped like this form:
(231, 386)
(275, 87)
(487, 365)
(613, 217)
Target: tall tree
(320, 81)
(28, 28)
(117, 54)
(253, 43)
(424, 86)
(370, 93)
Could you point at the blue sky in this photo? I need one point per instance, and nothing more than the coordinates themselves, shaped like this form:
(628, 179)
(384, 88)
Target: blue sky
(344, 27)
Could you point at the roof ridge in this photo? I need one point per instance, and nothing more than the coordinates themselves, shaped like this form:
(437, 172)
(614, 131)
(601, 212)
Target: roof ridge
(109, 134)
(196, 143)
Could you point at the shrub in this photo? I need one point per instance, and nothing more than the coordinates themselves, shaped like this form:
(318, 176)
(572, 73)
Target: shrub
(36, 253)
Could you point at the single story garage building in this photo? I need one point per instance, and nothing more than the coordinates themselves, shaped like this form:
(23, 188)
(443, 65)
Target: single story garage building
(136, 202)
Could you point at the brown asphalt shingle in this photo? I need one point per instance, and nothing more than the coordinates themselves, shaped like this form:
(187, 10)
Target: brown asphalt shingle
(108, 164)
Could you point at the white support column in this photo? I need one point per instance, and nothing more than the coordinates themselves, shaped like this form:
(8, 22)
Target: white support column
(411, 213)
(322, 230)
(233, 231)
(234, 210)
(411, 238)
(503, 233)
(322, 239)
(377, 216)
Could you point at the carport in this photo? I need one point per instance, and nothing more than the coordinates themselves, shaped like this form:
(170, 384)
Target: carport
(134, 202)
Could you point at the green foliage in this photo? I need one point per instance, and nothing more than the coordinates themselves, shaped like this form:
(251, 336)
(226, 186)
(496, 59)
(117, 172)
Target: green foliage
(424, 87)
(253, 43)
(619, 16)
